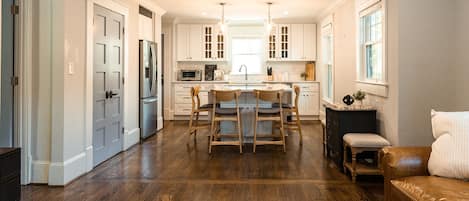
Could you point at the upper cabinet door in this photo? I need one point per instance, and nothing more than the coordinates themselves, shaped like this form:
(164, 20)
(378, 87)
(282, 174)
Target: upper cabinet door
(195, 41)
(297, 42)
(182, 39)
(310, 42)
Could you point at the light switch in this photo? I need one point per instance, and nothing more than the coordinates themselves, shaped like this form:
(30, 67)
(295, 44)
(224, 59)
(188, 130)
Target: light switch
(71, 70)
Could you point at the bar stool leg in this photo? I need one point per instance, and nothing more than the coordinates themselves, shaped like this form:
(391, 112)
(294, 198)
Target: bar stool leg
(240, 134)
(255, 135)
(298, 123)
(282, 132)
(212, 132)
(196, 122)
(354, 165)
(190, 123)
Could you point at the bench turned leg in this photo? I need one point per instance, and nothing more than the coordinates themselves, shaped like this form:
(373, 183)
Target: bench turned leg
(354, 165)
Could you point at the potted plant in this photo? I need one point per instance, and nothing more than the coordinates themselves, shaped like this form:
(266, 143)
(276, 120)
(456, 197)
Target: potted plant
(359, 96)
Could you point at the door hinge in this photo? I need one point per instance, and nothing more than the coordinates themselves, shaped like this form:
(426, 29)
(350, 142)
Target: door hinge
(123, 80)
(123, 130)
(123, 30)
(14, 81)
(15, 9)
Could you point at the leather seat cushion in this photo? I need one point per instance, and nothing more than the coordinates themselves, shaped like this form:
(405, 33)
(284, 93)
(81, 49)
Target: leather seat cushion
(226, 111)
(430, 188)
(206, 106)
(284, 105)
(365, 140)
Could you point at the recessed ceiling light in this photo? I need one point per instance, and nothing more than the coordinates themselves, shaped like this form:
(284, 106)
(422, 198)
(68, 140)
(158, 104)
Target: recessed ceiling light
(285, 12)
(204, 13)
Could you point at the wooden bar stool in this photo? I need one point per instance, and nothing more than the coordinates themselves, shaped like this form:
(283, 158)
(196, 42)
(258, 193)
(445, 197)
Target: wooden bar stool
(225, 114)
(194, 124)
(294, 125)
(275, 114)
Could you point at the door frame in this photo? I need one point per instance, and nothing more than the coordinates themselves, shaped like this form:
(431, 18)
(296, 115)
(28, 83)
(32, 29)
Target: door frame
(23, 91)
(121, 9)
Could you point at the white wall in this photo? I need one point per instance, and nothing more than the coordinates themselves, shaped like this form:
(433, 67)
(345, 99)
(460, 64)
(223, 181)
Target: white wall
(426, 65)
(59, 143)
(462, 58)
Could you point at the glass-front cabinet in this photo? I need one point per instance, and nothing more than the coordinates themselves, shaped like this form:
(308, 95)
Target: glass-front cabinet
(214, 43)
(279, 43)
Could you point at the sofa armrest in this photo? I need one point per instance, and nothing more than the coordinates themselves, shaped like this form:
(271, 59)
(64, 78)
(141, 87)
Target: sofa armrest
(398, 162)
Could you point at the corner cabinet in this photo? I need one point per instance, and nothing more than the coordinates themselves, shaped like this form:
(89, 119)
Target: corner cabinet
(189, 42)
(292, 42)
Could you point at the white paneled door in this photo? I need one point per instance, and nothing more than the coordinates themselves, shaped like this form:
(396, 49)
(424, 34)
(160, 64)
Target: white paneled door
(107, 84)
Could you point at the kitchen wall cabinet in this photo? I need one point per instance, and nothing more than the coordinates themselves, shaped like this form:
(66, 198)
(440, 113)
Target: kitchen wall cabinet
(292, 42)
(213, 43)
(189, 42)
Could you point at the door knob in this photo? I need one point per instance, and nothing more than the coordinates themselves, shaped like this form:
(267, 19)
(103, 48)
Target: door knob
(111, 94)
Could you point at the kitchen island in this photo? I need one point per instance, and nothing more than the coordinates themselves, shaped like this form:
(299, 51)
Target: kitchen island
(247, 105)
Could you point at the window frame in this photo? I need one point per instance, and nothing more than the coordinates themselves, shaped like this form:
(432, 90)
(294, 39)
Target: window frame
(328, 31)
(234, 70)
(374, 86)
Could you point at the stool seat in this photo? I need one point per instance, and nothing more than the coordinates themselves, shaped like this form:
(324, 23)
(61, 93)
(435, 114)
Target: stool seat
(365, 140)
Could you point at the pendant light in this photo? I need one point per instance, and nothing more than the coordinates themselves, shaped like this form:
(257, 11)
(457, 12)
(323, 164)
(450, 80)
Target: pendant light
(222, 23)
(269, 24)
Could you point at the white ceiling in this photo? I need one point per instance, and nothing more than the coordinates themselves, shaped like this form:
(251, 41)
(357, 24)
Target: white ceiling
(244, 9)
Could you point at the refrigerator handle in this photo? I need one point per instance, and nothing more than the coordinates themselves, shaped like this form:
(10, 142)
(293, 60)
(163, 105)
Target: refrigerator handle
(153, 68)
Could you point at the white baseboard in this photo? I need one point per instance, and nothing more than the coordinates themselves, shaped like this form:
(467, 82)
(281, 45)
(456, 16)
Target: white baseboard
(159, 123)
(89, 158)
(60, 173)
(40, 172)
(131, 137)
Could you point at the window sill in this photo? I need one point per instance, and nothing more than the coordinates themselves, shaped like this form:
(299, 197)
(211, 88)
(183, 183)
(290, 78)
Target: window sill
(375, 88)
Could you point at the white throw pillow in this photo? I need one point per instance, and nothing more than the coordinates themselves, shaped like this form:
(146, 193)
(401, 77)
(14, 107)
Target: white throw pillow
(450, 151)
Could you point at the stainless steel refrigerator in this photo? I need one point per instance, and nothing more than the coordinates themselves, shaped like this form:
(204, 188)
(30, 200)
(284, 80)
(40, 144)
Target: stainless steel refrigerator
(148, 89)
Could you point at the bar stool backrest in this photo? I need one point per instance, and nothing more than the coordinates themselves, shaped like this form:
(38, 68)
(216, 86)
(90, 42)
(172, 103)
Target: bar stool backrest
(272, 96)
(195, 97)
(219, 96)
(296, 88)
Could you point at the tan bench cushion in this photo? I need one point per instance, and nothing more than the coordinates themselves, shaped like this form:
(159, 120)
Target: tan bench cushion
(365, 140)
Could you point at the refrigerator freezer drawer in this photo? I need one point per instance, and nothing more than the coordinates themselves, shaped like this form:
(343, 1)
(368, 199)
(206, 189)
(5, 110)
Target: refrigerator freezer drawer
(148, 117)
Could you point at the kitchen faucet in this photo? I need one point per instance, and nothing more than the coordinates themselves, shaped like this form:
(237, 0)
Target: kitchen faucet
(245, 72)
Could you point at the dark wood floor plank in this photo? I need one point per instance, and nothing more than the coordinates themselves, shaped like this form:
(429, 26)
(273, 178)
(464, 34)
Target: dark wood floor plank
(172, 167)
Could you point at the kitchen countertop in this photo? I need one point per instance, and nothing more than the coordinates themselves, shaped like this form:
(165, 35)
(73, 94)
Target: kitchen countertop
(241, 82)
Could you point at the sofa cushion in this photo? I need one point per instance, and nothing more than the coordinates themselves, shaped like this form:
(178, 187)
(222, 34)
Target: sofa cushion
(449, 156)
(430, 188)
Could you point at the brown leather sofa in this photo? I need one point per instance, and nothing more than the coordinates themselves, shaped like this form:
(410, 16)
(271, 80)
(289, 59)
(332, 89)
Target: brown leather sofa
(406, 177)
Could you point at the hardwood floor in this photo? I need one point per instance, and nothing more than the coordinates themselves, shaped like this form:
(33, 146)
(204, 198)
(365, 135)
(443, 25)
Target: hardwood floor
(173, 167)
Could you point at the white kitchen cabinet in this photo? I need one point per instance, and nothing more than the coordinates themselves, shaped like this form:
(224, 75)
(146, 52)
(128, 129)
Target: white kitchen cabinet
(297, 42)
(308, 102)
(189, 42)
(292, 42)
(213, 43)
(309, 48)
(183, 99)
(303, 42)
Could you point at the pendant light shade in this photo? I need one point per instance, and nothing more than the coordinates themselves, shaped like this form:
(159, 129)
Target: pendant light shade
(222, 23)
(269, 23)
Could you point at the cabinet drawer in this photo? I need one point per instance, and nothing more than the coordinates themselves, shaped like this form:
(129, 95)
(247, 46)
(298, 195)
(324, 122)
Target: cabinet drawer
(183, 109)
(184, 99)
(182, 88)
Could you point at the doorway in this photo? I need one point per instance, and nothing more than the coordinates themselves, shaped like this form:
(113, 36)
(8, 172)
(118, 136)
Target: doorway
(108, 51)
(8, 79)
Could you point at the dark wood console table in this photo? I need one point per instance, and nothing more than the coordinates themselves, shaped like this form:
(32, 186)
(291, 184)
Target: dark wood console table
(10, 172)
(343, 120)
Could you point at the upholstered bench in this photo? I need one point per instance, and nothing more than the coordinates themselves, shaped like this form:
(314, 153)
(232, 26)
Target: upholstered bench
(358, 143)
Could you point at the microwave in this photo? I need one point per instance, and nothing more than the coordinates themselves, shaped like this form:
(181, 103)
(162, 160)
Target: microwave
(190, 75)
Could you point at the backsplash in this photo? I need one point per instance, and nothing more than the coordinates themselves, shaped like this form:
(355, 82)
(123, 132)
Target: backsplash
(282, 71)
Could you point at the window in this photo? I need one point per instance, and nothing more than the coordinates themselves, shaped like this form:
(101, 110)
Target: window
(371, 50)
(248, 52)
(328, 62)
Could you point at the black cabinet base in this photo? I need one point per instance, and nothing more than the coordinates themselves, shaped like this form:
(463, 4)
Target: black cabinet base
(10, 174)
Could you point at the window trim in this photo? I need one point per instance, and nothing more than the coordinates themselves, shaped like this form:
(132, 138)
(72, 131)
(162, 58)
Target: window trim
(261, 54)
(328, 29)
(373, 86)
